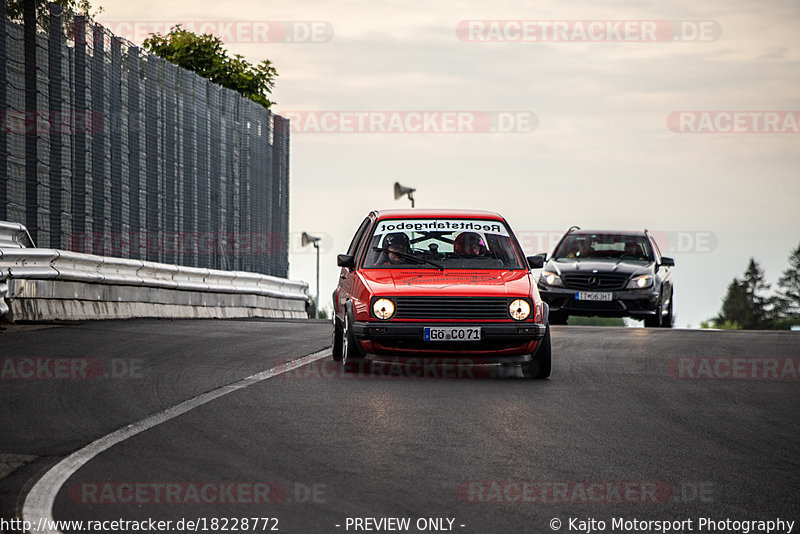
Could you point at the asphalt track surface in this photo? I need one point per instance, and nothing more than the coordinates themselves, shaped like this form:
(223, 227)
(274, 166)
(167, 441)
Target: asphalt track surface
(644, 424)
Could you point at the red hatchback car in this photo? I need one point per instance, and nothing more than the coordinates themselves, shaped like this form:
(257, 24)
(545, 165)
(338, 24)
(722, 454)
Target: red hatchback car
(439, 283)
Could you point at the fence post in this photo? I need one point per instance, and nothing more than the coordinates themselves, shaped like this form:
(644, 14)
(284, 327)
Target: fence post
(189, 177)
(135, 123)
(5, 110)
(58, 120)
(280, 174)
(79, 174)
(170, 150)
(114, 129)
(99, 172)
(152, 128)
(31, 138)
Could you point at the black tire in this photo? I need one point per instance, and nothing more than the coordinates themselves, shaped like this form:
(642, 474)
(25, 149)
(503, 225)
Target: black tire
(558, 318)
(352, 358)
(667, 320)
(336, 342)
(540, 365)
(658, 318)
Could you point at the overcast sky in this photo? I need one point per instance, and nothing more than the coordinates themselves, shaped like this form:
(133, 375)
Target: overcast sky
(593, 145)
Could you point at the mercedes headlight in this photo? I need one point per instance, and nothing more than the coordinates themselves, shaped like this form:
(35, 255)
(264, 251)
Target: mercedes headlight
(383, 308)
(641, 282)
(550, 278)
(519, 309)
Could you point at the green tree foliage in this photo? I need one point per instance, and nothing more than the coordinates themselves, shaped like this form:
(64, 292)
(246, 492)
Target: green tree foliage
(596, 321)
(736, 308)
(746, 305)
(787, 301)
(205, 55)
(754, 286)
(312, 306)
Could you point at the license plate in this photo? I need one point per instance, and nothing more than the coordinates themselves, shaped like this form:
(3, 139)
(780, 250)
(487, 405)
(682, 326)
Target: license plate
(458, 333)
(593, 295)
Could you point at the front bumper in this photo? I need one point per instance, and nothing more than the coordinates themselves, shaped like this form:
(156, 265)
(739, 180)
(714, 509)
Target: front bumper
(636, 303)
(500, 341)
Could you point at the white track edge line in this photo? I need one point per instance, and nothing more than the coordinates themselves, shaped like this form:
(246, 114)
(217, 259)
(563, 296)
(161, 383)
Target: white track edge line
(38, 505)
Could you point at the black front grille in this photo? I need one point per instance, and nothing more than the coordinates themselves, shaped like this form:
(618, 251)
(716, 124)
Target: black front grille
(422, 346)
(595, 281)
(452, 308)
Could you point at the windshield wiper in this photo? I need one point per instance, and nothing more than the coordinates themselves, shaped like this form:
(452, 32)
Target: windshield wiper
(409, 256)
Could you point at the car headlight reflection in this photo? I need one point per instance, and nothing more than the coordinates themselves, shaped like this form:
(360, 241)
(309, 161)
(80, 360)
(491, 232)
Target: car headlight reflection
(641, 282)
(550, 278)
(520, 309)
(383, 308)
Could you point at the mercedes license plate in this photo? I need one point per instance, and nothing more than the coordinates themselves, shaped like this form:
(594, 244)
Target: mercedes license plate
(593, 295)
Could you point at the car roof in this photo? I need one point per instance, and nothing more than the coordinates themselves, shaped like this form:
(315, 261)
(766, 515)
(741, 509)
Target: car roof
(610, 232)
(429, 213)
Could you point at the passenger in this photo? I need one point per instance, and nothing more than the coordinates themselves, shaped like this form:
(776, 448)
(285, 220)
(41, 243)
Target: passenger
(469, 245)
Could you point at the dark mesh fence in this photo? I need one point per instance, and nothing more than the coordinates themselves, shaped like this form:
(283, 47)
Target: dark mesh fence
(109, 150)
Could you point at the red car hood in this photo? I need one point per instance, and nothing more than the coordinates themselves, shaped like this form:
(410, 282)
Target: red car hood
(494, 283)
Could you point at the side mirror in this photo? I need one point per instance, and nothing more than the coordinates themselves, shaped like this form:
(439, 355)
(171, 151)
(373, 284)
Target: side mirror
(345, 260)
(537, 261)
(667, 262)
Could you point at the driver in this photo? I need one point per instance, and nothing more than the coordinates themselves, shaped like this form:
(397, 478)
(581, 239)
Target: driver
(631, 249)
(395, 242)
(581, 249)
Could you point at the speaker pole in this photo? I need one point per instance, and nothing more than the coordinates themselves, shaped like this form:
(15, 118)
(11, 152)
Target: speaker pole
(316, 308)
(306, 240)
(402, 191)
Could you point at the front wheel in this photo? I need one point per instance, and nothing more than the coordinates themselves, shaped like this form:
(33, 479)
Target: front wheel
(539, 366)
(558, 318)
(667, 321)
(352, 359)
(657, 319)
(336, 342)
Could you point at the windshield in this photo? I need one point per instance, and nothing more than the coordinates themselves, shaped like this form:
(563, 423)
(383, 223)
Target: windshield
(442, 243)
(604, 246)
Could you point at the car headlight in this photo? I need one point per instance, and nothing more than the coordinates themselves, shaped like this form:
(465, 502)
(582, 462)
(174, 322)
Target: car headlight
(641, 282)
(383, 308)
(519, 309)
(550, 278)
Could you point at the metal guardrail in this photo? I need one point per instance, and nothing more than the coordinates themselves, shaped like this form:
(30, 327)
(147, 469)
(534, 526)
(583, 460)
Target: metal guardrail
(14, 235)
(87, 277)
(42, 264)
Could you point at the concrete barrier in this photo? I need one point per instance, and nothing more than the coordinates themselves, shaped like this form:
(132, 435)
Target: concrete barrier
(48, 284)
